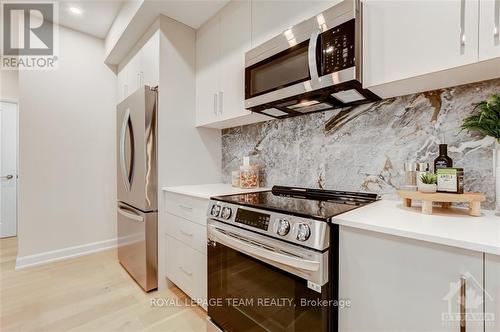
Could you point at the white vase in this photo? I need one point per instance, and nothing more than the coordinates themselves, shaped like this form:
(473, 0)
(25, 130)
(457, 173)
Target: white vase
(496, 171)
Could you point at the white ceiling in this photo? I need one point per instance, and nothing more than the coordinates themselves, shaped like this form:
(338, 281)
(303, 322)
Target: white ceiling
(190, 12)
(96, 17)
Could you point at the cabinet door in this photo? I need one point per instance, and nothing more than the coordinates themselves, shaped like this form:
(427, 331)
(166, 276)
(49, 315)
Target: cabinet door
(150, 61)
(207, 71)
(492, 293)
(235, 23)
(398, 284)
(133, 74)
(489, 29)
(186, 267)
(407, 38)
(270, 18)
(122, 88)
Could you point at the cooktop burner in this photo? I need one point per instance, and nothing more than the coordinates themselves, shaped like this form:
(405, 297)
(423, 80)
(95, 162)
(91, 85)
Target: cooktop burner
(308, 203)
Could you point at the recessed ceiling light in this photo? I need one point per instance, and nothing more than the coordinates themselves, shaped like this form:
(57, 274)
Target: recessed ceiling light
(75, 10)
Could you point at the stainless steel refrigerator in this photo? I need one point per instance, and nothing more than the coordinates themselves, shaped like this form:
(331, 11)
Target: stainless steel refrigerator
(137, 207)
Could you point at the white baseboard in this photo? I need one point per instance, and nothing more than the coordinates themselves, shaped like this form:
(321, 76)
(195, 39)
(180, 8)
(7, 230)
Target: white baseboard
(65, 253)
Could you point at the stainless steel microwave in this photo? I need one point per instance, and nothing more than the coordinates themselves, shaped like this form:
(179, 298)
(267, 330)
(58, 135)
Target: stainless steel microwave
(313, 66)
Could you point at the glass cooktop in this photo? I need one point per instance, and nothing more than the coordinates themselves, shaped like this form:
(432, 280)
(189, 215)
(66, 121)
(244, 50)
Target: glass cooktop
(308, 203)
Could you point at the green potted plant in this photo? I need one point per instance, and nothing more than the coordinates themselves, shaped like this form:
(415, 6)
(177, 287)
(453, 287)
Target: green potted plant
(486, 121)
(428, 183)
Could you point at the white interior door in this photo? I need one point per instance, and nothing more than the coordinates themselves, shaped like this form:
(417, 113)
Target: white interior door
(8, 169)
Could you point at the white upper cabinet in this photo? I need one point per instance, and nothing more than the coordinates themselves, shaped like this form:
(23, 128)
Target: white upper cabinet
(235, 25)
(122, 88)
(221, 44)
(207, 71)
(134, 73)
(489, 29)
(150, 61)
(408, 38)
(142, 69)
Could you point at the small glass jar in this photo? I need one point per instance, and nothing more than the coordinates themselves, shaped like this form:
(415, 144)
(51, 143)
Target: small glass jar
(235, 179)
(249, 176)
(410, 176)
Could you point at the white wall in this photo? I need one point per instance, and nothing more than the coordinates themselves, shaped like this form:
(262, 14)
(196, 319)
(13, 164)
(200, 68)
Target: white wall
(67, 152)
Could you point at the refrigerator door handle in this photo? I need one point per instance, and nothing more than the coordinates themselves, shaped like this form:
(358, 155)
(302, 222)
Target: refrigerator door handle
(125, 172)
(130, 215)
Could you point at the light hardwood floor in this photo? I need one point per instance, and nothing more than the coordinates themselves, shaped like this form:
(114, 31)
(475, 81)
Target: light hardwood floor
(89, 293)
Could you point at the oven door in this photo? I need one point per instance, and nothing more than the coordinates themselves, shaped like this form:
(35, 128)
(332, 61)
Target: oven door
(256, 283)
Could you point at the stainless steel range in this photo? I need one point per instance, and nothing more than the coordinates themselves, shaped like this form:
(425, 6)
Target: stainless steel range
(273, 259)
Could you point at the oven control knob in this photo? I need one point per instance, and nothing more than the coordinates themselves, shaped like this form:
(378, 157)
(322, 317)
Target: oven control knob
(283, 227)
(214, 212)
(226, 213)
(303, 233)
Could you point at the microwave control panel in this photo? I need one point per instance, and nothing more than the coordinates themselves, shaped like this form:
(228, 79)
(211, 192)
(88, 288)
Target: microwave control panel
(338, 48)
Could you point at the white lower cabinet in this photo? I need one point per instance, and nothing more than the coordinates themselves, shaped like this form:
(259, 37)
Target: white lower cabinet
(492, 293)
(187, 207)
(399, 284)
(183, 244)
(192, 234)
(186, 268)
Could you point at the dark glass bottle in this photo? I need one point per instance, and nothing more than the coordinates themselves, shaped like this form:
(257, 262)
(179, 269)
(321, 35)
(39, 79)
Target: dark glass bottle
(442, 161)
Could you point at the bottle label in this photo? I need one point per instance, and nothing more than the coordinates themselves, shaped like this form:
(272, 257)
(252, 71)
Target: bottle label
(441, 164)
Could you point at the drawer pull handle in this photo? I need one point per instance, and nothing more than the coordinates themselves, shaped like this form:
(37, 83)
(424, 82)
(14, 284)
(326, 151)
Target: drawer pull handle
(185, 233)
(185, 272)
(187, 208)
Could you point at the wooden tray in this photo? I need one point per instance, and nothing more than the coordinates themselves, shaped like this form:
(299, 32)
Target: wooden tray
(474, 200)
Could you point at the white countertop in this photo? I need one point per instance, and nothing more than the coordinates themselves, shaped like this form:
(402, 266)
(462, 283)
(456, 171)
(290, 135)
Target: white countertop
(210, 190)
(453, 228)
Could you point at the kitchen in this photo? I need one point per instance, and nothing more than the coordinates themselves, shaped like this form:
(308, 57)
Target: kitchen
(256, 165)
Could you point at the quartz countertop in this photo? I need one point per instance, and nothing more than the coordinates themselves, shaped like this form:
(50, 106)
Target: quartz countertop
(210, 190)
(453, 227)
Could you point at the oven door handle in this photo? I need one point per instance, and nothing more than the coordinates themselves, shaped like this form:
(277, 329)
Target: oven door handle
(262, 252)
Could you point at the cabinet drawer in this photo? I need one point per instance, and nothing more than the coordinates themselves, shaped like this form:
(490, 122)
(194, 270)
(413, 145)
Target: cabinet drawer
(188, 232)
(191, 208)
(186, 268)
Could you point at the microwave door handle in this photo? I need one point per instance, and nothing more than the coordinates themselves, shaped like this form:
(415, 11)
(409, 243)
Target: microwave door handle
(313, 65)
(254, 250)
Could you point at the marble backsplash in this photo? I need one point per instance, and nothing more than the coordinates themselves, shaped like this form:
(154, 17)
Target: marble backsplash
(364, 149)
